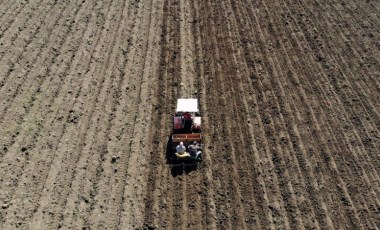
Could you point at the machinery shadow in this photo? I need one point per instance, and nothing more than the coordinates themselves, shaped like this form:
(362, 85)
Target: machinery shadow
(169, 151)
(179, 170)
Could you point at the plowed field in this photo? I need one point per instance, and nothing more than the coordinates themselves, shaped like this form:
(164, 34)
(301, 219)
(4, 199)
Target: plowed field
(289, 92)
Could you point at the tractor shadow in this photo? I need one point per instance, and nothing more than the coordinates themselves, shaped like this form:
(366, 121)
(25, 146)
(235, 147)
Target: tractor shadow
(177, 169)
(182, 169)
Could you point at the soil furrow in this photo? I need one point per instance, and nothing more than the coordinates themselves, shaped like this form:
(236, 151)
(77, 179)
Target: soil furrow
(8, 13)
(288, 92)
(156, 196)
(28, 121)
(338, 165)
(159, 205)
(342, 86)
(207, 193)
(22, 39)
(88, 170)
(69, 163)
(358, 134)
(134, 192)
(71, 118)
(281, 167)
(29, 151)
(15, 15)
(31, 81)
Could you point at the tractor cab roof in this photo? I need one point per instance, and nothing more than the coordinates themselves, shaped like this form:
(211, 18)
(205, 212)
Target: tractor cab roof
(187, 105)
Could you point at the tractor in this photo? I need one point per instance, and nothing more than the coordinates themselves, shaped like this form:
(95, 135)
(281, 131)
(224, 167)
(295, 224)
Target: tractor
(186, 138)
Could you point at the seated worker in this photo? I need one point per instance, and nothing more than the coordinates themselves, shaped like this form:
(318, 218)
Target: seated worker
(187, 116)
(195, 150)
(187, 121)
(181, 151)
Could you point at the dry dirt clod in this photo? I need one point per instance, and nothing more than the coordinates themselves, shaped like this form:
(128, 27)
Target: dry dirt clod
(114, 159)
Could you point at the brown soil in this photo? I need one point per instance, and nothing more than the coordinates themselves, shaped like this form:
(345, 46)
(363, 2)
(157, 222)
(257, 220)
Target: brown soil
(289, 92)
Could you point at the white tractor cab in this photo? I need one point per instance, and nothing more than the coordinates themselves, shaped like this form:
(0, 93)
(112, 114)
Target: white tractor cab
(187, 118)
(187, 133)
